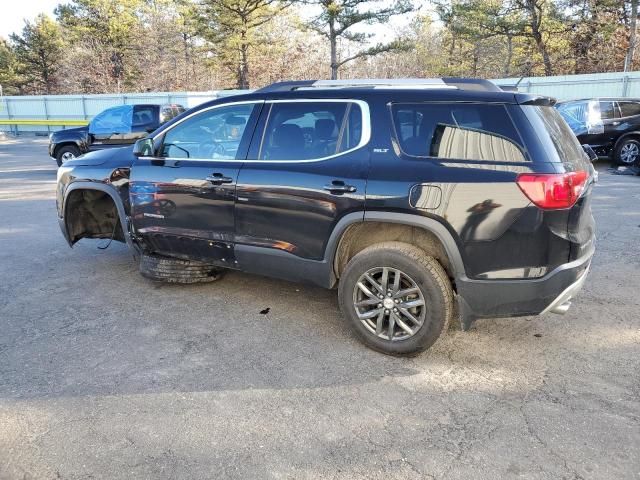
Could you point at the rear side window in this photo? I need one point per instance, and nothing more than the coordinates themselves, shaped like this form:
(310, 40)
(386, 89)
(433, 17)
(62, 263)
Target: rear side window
(629, 109)
(310, 130)
(553, 130)
(463, 131)
(608, 110)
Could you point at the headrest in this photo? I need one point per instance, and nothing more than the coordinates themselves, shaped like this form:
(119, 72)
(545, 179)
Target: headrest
(325, 128)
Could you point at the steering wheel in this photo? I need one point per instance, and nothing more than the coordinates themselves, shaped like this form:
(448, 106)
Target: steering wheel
(210, 150)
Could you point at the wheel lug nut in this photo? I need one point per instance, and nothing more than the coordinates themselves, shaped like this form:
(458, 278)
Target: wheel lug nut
(389, 294)
(386, 311)
(379, 305)
(397, 301)
(380, 296)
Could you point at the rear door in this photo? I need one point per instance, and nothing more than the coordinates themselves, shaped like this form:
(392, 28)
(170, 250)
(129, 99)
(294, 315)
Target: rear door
(183, 197)
(610, 114)
(306, 169)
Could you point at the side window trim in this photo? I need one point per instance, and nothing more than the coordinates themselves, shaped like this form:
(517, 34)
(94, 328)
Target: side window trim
(259, 129)
(264, 122)
(158, 139)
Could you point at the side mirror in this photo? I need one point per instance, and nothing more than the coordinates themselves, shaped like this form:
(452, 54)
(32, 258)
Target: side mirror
(143, 147)
(590, 153)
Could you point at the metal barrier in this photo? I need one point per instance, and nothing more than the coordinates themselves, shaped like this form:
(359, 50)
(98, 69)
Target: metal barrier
(568, 87)
(50, 112)
(44, 113)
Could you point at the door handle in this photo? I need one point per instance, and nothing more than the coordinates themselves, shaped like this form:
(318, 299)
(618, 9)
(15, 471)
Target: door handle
(338, 187)
(218, 179)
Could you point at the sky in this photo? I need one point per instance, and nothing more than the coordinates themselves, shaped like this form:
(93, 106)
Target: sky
(14, 12)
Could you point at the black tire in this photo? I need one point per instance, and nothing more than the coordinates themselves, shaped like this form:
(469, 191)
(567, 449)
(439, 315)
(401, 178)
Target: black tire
(67, 149)
(623, 147)
(175, 270)
(428, 275)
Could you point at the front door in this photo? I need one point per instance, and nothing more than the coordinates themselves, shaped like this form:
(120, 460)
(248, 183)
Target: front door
(306, 169)
(183, 198)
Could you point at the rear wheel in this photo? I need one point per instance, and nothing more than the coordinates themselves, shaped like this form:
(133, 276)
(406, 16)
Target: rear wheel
(396, 298)
(175, 270)
(628, 152)
(66, 153)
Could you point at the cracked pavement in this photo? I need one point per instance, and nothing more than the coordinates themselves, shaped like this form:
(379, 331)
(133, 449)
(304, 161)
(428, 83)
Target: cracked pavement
(106, 375)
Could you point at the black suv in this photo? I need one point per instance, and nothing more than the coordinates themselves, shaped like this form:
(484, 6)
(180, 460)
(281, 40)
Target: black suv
(113, 127)
(415, 198)
(610, 126)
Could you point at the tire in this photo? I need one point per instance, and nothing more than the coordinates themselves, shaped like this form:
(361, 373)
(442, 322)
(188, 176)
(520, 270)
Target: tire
(627, 152)
(175, 270)
(430, 281)
(67, 153)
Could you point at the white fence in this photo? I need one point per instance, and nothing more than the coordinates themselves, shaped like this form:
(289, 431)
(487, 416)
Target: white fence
(567, 87)
(71, 108)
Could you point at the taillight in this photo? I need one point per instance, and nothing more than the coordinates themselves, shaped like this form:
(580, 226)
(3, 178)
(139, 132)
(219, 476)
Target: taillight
(553, 190)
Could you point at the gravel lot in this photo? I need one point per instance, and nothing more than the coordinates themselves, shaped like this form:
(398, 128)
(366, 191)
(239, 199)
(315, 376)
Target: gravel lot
(106, 375)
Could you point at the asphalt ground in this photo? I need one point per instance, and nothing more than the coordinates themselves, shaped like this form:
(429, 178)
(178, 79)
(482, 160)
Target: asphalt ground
(104, 374)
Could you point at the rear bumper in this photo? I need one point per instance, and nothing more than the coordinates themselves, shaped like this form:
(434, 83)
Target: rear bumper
(515, 298)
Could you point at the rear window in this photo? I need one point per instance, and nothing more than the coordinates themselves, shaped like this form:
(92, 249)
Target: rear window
(553, 130)
(462, 131)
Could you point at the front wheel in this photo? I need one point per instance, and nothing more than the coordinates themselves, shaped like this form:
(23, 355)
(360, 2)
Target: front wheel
(66, 153)
(396, 298)
(628, 152)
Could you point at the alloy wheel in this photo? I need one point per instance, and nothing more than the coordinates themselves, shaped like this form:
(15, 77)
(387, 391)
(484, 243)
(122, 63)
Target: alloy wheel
(389, 303)
(629, 153)
(66, 156)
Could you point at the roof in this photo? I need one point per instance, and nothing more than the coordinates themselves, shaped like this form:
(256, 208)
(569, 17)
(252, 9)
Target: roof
(401, 90)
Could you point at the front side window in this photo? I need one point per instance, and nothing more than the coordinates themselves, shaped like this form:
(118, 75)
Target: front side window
(608, 110)
(310, 130)
(213, 135)
(143, 115)
(457, 131)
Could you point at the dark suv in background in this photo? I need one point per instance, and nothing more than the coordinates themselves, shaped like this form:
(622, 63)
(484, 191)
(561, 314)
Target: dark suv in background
(114, 127)
(610, 126)
(414, 198)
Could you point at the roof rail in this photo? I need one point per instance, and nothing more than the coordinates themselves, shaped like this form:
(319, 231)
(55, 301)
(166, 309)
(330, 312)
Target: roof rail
(417, 83)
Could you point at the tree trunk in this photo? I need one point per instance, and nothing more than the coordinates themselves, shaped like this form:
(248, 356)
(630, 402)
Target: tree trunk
(243, 68)
(334, 49)
(507, 62)
(535, 14)
(628, 60)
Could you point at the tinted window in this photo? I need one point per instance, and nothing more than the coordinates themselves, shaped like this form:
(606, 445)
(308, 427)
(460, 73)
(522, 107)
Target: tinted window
(112, 120)
(629, 109)
(608, 110)
(213, 134)
(553, 130)
(457, 131)
(310, 130)
(143, 115)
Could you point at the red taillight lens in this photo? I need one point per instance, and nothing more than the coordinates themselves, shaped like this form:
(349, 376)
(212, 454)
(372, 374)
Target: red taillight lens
(553, 191)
